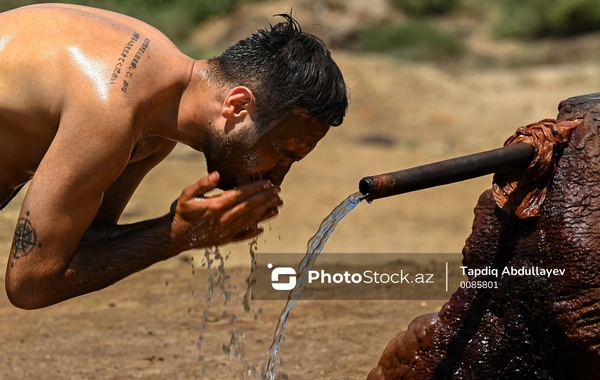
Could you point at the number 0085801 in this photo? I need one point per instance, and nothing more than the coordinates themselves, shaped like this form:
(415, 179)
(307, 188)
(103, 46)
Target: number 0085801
(479, 284)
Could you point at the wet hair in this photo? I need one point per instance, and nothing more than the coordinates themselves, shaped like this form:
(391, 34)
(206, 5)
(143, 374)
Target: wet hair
(286, 69)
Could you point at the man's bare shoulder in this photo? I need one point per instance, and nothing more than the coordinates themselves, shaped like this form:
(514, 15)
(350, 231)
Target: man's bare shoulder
(58, 55)
(82, 71)
(46, 16)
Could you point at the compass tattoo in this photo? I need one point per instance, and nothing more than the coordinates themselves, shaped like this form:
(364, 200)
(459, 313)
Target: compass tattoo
(25, 239)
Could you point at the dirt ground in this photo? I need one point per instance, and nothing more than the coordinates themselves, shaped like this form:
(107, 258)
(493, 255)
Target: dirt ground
(148, 325)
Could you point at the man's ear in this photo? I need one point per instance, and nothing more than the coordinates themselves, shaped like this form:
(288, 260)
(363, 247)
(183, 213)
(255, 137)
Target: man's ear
(238, 104)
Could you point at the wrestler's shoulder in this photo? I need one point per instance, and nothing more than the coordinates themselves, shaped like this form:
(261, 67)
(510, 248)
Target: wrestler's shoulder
(53, 16)
(66, 55)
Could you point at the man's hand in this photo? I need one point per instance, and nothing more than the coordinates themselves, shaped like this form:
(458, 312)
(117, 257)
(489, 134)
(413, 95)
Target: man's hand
(201, 221)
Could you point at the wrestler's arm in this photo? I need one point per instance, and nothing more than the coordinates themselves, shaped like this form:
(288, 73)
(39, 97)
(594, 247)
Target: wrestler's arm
(118, 194)
(56, 256)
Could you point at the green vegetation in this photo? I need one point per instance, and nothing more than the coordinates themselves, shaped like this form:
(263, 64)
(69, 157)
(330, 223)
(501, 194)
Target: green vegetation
(429, 30)
(425, 7)
(436, 30)
(525, 19)
(415, 40)
(547, 18)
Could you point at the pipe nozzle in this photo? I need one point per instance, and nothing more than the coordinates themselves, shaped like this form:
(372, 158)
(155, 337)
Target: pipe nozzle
(457, 169)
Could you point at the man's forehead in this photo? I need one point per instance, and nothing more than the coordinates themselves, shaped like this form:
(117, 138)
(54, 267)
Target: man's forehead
(302, 122)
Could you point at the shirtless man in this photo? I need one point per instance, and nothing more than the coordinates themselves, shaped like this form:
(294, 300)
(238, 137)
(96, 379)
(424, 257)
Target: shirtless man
(91, 100)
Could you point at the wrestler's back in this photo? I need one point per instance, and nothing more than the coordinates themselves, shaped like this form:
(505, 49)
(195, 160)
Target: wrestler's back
(61, 60)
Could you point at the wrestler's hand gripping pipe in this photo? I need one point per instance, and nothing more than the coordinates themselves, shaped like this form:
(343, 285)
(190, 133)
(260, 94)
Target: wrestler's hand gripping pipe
(457, 169)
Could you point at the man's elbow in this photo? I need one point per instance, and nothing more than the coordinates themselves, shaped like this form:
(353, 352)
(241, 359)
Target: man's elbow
(22, 294)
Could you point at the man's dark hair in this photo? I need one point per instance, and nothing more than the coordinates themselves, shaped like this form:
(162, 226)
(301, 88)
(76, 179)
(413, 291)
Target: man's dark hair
(286, 69)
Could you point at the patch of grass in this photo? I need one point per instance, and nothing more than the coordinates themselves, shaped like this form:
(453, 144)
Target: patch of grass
(11, 4)
(414, 40)
(530, 19)
(425, 7)
(198, 52)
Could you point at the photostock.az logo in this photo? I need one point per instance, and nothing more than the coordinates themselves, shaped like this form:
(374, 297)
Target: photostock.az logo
(282, 271)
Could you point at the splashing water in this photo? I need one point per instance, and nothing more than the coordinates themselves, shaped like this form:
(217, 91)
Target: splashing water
(250, 280)
(235, 347)
(219, 286)
(314, 247)
(215, 266)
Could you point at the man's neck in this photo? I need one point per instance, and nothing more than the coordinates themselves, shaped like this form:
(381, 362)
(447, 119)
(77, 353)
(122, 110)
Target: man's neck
(197, 108)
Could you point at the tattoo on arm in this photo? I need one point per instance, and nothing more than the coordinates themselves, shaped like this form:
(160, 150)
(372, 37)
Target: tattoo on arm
(25, 238)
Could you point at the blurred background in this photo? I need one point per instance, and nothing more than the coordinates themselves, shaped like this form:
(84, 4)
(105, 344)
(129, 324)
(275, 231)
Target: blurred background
(476, 33)
(429, 80)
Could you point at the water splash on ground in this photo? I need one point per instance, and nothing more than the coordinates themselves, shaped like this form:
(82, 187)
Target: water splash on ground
(221, 288)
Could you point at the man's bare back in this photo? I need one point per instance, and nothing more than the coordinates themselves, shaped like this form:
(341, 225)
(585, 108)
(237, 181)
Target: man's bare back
(91, 101)
(64, 62)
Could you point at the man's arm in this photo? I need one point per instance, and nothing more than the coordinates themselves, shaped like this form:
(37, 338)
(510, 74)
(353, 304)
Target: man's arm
(58, 254)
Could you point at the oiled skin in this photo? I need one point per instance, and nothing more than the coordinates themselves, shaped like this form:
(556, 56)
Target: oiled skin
(531, 327)
(90, 102)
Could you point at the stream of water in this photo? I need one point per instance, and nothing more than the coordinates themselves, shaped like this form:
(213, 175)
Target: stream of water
(314, 247)
(218, 284)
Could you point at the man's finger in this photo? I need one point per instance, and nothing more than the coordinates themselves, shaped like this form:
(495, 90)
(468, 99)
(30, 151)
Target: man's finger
(204, 185)
(233, 197)
(273, 211)
(247, 234)
(252, 210)
(253, 232)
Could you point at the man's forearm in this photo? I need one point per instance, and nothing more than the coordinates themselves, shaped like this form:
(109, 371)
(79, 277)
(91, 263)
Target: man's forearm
(108, 253)
(65, 267)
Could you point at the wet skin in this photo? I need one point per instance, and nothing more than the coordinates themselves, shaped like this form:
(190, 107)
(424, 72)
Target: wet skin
(271, 155)
(90, 102)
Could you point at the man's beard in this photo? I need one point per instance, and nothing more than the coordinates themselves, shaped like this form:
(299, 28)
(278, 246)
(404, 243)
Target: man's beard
(231, 157)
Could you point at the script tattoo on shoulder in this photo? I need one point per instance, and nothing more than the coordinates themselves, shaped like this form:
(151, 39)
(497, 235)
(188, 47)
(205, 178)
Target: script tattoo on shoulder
(134, 63)
(25, 238)
(122, 57)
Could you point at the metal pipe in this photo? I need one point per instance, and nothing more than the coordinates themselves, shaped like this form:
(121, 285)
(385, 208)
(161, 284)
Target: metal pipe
(457, 169)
